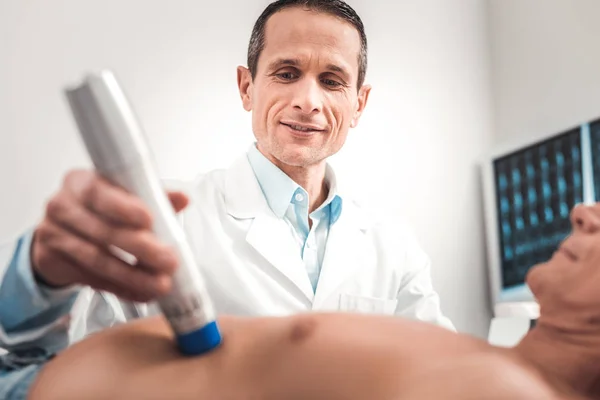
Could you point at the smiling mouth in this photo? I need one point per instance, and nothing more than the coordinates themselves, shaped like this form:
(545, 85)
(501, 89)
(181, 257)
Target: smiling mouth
(302, 128)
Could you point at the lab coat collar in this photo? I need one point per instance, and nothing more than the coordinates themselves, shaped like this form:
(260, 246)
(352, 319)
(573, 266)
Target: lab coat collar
(278, 188)
(244, 197)
(270, 236)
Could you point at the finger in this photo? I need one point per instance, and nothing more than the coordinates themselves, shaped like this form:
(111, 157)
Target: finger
(93, 261)
(105, 285)
(142, 244)
(55, 273)
(179, 200)
(59, 261)
(109, 201)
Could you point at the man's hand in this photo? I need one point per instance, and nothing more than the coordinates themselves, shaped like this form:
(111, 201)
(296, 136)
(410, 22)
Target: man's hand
(83, 221)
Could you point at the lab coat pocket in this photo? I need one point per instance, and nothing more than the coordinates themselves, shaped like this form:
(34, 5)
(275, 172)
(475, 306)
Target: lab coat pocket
(367, 305)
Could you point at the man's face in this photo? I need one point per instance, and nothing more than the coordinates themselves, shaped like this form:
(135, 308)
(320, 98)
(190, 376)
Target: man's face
(567, 287)
(304, 97)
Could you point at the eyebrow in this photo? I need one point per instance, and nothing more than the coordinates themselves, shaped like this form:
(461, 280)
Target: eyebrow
(292, 62)
(284, 61)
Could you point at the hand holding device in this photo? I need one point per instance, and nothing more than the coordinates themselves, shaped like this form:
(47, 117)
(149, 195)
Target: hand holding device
(121, 155)
(85, 219)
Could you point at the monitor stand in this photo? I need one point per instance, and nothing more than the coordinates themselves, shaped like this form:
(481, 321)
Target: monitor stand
(511, 322)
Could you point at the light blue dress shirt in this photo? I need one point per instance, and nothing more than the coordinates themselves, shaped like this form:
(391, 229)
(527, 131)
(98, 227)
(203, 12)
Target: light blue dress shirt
(290, 201)
(27, 305)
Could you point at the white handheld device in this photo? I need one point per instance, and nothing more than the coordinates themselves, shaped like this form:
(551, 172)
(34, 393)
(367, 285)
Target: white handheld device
(120, 153)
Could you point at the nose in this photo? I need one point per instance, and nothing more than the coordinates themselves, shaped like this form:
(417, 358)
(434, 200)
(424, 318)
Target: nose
(585, 218)
(307, 97)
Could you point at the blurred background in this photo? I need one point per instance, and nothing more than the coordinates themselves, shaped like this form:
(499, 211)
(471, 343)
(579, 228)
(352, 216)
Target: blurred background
(452, 80)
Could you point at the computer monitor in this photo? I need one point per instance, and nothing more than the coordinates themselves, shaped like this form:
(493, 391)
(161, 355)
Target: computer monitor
(529, 190)
(594, 132)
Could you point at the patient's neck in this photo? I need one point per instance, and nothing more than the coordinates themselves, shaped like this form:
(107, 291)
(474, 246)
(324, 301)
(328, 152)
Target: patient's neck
(569, 361)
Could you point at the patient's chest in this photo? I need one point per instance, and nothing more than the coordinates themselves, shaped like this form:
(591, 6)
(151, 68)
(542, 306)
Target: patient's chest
(339, 356)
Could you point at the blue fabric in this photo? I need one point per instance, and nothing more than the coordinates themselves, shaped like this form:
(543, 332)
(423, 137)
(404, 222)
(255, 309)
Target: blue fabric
(24, 304)
(18, 371)
(290, 201)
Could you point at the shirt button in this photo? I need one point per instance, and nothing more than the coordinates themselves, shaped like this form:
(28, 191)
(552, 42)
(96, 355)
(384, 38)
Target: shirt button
(299, 197)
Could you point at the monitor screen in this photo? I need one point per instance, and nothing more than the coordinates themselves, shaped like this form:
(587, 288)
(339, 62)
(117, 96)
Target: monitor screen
(535, 189)
(594, 129)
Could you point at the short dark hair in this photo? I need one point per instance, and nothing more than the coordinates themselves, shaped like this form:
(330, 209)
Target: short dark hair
(337, 8)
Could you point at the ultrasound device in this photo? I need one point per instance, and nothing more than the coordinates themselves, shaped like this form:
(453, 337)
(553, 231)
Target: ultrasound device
(529, 189)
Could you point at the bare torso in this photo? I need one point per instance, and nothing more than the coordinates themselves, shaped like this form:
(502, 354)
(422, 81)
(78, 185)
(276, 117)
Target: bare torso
(324, 356)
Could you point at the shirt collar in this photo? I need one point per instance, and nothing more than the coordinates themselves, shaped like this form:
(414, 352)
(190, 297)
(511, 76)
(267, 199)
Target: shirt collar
(279, 189)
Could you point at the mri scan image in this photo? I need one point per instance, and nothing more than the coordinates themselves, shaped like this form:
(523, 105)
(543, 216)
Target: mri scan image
(536, 188)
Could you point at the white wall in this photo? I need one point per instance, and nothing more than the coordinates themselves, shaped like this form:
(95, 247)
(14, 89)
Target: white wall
(546, 66)
(413, 154)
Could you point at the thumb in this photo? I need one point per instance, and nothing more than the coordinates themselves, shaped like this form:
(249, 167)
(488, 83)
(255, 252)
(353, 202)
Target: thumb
(179, 200)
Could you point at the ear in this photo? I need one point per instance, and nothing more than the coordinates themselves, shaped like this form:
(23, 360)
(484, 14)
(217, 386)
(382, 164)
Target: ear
(363, 96)
(244, 81)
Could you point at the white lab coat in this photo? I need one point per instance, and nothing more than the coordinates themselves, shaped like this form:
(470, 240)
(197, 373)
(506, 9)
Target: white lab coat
(252, 264)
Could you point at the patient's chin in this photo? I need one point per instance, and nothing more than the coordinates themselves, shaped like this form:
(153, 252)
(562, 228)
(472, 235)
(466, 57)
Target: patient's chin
(537, 278)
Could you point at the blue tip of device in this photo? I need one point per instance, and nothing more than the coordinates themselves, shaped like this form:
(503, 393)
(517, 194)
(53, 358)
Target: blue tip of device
(201, 340)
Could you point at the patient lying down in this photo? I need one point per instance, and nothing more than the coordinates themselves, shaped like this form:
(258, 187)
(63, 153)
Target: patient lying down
(344, 356)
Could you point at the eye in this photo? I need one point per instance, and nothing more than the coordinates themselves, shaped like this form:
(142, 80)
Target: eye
(331, 83)
(287, 76)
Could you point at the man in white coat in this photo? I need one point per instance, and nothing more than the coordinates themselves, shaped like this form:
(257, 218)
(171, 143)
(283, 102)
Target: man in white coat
(273, 235)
